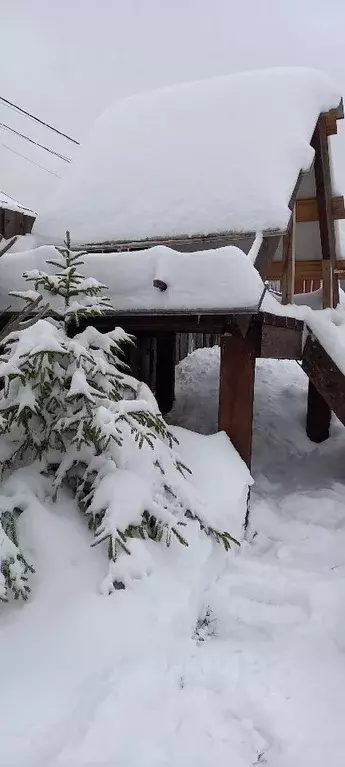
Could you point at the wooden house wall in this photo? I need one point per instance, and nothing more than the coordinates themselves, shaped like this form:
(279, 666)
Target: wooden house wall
(14, 222)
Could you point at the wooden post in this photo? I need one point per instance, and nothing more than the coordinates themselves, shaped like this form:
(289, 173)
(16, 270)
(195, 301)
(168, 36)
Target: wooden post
(288, 261)
(318, 416)
(323, 182)
(138, 358)
(236, 393)
(327, 284)
(165, 371)
(318, 412)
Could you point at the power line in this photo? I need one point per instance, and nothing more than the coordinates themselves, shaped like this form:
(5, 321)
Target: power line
(29, 160)
(42, 146)
(37, 119)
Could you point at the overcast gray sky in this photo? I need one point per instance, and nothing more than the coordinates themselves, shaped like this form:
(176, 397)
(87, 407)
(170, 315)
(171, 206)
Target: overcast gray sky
(65, 60)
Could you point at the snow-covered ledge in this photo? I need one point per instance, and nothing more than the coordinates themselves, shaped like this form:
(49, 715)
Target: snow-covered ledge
(222, 280)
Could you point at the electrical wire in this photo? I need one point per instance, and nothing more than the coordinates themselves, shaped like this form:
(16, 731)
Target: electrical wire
(29, 160)
(42, 146)
(17, 108)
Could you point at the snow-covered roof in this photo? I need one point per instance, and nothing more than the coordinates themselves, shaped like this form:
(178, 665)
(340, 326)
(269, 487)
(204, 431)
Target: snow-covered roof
(217, 155)
(223, 279)
(9, 203)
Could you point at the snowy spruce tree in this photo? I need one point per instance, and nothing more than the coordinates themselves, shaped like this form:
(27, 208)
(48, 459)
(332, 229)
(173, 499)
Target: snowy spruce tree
(70, 408)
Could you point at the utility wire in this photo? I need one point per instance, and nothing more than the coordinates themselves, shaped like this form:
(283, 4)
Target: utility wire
(29, 160)
(42, 146)
(36, 119)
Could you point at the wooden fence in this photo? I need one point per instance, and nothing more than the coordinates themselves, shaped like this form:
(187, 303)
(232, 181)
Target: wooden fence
(189, 342)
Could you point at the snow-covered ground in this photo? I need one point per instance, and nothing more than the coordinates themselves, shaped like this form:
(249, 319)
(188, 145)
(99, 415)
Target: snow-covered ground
(213, 659)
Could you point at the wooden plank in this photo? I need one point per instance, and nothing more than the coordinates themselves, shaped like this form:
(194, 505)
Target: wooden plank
(186, 324)
(8, 246)
(325, 375)
(198, 341)
(281, 343)
(165, 371)
(318, 416)
(266, 253)
(307, 209)
(338, 208)
(14, 222)
(331, 118)
(28, 223)
(331, 123)
(305, 270)
(141, 360)
(184, 345)
(183, 243)
(153, 324)
(279, 321)
(288, 261)
(21, 224)
(236, 393)
(181, 346)
(10, 224)
(327, 293)
(323, 184)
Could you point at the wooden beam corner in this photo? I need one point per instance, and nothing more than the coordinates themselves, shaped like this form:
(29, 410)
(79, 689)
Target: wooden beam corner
(307, 209)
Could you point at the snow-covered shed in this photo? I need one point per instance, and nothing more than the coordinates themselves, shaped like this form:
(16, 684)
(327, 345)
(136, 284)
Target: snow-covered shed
(15, 218)
(207, 164)
(241, 160)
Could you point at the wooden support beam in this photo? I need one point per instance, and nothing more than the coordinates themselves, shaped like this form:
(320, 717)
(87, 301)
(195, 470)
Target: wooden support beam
(142, 360)
(307, 209)
(11, 224)
(155, 324)
(323, 184)
(318, 416)
(165, 371)
(184, 243)
(279, 343)
(331, 118)
(331, 123)
(305, 270)
(327, 283)
(236, 393)
(325, 375)
(288, 261)
(14, 222)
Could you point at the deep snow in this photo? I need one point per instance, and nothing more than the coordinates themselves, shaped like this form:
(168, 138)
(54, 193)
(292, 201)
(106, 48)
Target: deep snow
(218, 279)
(212, 659)
(222, 174)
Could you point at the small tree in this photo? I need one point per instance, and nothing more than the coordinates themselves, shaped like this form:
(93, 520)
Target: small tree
(71, 403)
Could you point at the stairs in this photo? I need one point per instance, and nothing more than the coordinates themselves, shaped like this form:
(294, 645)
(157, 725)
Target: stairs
(325, 376)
